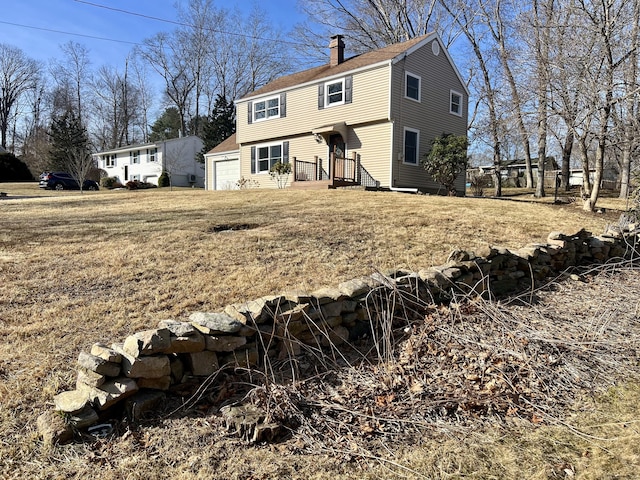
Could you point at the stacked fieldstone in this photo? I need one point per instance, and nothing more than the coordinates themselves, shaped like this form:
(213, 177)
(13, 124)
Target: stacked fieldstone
(136, 373)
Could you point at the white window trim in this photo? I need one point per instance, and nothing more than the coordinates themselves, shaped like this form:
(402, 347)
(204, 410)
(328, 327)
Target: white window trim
(406, 84)
(328, 104)
(110, 161)
(135, 157)
(266, 111)
(152, 155)
(257, 159)
(460, 105)
(404, 146)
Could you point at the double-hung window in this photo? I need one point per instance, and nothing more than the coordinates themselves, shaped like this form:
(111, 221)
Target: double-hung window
(455, 105)
(265, 109)
(412, 86)
(152, 154)
(109, 160)
(268, 156)
(265, 156)
(334, 93)
(411, 143)
(135, 156)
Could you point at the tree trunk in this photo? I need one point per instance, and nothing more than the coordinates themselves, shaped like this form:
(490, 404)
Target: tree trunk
(586, 179)
(497, 174)
(542, 23)
(566, 160)
(625, 171)
(499, 36)
(590, 202)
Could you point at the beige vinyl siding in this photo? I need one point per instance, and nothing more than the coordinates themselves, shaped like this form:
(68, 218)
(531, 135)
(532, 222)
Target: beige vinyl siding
(370, 103)
(372, 143)
(430, 116)
(302, 147)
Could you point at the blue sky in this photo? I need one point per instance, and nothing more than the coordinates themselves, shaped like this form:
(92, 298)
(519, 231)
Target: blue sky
(48, 18)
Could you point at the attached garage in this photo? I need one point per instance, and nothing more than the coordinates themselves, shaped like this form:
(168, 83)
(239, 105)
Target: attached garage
(226, 174)
(222, 165)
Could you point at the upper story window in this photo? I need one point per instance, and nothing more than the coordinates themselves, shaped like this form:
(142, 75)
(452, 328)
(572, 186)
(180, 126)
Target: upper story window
(152, 154)
(109, 160)
(412, 86)
(135, 156)
(272, 107)
(335, 92)
(455, 105)
(411, 142)
(269, 108)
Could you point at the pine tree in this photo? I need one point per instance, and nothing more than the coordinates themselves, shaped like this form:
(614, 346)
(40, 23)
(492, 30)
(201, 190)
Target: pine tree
(167, 126)
(70, 150)
(221, 125)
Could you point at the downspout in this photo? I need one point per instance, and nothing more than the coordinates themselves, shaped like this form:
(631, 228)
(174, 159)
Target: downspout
(206, 172)
(393, 126)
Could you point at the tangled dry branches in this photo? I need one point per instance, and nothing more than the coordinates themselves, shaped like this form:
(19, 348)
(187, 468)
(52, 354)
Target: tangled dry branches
(469, 363)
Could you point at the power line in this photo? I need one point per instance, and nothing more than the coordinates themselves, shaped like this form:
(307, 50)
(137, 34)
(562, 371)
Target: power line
(183, 24)
(93, 37)
(69, 33)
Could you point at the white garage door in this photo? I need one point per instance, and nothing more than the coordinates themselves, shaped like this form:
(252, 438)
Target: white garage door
(226, 174)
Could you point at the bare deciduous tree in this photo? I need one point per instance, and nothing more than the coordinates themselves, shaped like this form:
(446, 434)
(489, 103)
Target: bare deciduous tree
(369, 24)
(73, 72)
(117, 105)
(170, 59)
(18, 75)
(465, 16)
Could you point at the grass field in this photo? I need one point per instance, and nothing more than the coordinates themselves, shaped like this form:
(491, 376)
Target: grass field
(80, 268)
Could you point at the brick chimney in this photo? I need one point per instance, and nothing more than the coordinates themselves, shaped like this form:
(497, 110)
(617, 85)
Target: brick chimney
(336, 48)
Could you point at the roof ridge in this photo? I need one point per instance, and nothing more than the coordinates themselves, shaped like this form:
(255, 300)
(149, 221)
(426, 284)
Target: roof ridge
(386, 53)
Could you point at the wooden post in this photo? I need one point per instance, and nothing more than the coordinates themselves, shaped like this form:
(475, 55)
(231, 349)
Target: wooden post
(332, 167)
(317, 162)
(295, 169)
(354, 156)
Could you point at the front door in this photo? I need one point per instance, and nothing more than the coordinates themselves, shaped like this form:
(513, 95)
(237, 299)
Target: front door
(126, 173)
(337, 147)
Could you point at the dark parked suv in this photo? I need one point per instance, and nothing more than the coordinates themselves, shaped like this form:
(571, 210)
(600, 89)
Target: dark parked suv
(64, 181)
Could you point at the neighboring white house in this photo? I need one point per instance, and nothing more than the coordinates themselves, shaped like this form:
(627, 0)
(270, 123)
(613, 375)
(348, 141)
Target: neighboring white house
(146, 162)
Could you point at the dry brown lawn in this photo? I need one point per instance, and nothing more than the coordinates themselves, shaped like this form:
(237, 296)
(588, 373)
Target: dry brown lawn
(80, 268)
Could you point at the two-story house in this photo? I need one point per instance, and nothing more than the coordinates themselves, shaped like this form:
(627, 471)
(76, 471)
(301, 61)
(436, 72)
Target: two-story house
(366, 120)
(146, 162)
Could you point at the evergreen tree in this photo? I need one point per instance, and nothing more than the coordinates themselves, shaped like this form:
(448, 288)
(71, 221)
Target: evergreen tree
(167, 126)
(70, 150)
(220, 126)
(12, 169)
(447, 160)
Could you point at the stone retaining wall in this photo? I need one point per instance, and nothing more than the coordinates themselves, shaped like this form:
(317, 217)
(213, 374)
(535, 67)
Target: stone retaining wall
(136, 373)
